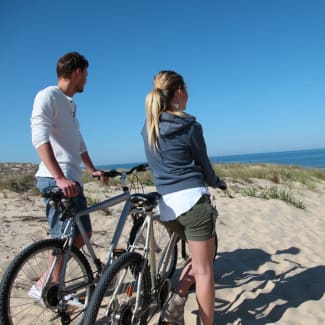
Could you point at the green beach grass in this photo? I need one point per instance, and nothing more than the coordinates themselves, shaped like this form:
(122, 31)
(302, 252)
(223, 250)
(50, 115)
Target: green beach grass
(242, 178)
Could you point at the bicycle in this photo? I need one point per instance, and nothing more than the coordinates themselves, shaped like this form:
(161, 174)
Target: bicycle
(134, 282)
(77, 277)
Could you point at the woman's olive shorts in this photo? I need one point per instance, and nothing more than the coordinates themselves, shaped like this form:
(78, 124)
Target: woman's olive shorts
(198, 223)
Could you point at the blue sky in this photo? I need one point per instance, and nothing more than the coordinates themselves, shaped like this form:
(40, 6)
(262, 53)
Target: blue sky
(255, 70)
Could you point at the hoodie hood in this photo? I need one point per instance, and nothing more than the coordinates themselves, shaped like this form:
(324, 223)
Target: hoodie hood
(170, 124)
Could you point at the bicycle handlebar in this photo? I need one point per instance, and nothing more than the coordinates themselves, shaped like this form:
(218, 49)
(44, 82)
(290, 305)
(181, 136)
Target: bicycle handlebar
(113, 173)
(55, 193)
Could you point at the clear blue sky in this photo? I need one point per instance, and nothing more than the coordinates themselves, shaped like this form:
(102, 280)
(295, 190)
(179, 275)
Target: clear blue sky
(255, 70)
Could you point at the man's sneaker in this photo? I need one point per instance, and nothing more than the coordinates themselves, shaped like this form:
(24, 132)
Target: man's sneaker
(173, 312)
(74, 300)
(35, 293)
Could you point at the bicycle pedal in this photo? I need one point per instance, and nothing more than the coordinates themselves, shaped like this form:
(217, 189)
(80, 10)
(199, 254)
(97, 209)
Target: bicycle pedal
(118, 251)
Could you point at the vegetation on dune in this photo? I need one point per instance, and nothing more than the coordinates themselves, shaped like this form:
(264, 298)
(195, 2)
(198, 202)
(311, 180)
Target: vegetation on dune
(278, 174)
(242, 178)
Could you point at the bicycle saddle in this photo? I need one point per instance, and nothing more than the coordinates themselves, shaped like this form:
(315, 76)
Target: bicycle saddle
(149, 200)
(52, 192)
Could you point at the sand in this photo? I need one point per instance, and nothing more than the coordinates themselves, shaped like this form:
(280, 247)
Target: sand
(270, 268)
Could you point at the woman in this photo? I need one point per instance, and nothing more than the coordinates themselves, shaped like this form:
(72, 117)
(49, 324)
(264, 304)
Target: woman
(176, 152)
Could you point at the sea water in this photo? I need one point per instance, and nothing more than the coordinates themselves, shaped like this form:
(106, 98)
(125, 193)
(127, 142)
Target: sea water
(314, 158)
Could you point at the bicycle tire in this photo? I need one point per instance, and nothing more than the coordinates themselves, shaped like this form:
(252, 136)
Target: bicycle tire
(16, 307)
(216, 242)
(104, 308)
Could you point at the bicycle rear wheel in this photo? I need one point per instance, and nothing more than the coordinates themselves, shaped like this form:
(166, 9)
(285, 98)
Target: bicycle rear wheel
(117, 293)
(16, 305)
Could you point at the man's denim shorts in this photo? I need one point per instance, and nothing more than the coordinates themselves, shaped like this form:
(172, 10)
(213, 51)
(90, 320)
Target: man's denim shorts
(56, 225)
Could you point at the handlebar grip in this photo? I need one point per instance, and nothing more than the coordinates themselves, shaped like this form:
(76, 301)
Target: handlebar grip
(140, 168)
(222, 185)
(111, 173)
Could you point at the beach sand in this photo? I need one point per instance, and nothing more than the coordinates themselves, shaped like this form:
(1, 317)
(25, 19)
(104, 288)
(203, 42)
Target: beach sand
(270, 267)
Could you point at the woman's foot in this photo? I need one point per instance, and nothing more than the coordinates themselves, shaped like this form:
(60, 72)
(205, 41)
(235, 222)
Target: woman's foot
(173, 312)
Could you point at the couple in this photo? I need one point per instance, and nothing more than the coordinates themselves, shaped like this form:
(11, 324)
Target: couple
(176, 152)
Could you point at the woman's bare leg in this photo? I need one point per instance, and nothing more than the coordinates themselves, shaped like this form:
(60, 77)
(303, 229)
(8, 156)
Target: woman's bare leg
(202, 253)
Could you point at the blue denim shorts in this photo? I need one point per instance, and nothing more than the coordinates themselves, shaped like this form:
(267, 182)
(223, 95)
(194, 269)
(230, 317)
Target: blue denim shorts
(53, 215)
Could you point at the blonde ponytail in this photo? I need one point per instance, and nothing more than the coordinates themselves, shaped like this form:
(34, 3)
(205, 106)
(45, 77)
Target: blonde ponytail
(158, 100)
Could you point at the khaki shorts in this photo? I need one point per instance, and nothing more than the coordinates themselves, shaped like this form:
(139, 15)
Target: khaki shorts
(198, 223)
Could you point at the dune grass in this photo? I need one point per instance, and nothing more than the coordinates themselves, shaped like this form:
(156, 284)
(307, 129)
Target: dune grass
(278, 174)
(274, 192)
(18, 183)
(283, 177)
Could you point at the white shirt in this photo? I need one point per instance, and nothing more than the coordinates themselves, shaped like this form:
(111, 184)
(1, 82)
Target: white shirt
(172, 205)
(53, 120)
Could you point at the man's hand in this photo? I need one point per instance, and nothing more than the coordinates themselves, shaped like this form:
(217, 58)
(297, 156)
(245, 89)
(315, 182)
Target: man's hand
(69, 188)
(100, 175)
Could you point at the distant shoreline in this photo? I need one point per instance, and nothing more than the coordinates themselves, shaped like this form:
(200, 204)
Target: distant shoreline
(312, 158)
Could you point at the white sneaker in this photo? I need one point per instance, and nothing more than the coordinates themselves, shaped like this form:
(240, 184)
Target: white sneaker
(73, 300)
(70, 299)
(35, 293)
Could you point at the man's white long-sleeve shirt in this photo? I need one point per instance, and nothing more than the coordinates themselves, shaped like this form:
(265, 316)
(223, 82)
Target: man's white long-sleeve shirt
(54, 121)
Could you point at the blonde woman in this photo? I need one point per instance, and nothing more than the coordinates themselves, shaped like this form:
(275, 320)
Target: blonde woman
(176, 152)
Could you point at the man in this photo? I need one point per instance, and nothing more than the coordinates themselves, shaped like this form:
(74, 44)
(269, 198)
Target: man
(59, 143)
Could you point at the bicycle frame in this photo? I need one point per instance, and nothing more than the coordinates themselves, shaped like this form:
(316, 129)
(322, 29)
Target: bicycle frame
(69, 230)
(71, 224)
(149, 250)
(119, 228)
(55, 275)
(157, 275)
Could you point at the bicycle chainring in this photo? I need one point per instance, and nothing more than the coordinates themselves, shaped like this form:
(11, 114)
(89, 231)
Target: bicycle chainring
(163, 292)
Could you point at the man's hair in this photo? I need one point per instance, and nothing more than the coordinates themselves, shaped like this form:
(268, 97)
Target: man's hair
(70, 62)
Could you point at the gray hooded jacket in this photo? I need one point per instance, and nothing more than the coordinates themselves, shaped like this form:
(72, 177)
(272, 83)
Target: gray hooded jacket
(181, 162)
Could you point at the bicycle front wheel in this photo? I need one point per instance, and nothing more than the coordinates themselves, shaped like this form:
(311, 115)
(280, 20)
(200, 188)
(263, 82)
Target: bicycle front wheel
(122, 295)
(16, 304)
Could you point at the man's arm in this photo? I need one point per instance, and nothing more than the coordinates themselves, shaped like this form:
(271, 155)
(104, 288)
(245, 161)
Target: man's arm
(88, 163)
(69, 188)
(85, 158)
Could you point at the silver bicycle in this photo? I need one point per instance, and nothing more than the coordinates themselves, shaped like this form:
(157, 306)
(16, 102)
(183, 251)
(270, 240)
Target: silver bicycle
(138, 282)
(56, 303)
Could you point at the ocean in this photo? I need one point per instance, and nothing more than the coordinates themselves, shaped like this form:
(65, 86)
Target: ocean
(313, 158)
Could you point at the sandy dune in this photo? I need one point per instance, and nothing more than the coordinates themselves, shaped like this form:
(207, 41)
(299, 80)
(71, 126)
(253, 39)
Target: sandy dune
(270, 268)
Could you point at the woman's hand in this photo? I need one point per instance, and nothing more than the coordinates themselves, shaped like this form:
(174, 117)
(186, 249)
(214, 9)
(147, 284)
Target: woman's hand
(222, 185)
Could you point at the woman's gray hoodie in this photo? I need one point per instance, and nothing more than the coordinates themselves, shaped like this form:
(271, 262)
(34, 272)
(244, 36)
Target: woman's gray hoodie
(181, 162)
